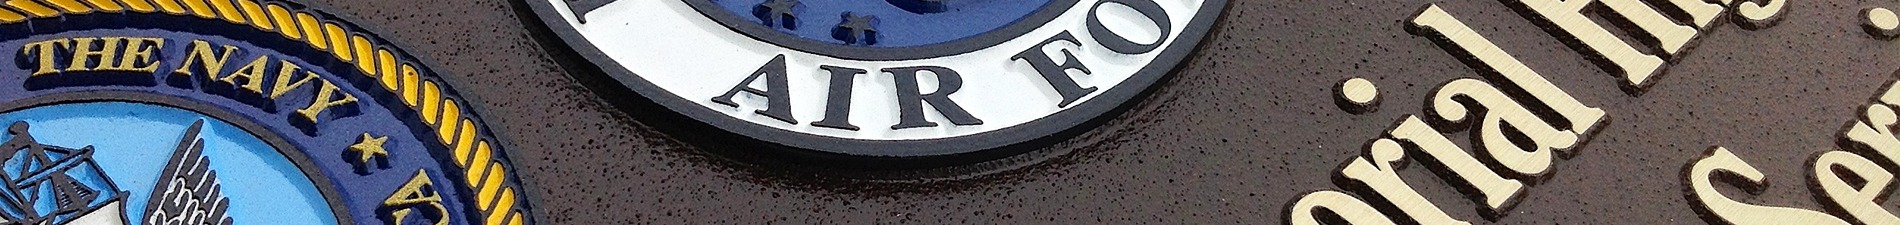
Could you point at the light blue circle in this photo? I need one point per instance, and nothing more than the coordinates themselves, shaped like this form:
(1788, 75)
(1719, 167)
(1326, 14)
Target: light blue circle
(133, 142)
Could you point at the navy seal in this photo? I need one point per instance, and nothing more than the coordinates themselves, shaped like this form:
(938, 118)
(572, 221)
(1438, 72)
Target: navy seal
(169, 112)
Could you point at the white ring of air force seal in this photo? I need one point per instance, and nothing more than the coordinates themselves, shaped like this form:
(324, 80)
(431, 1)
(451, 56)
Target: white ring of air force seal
(886, 83)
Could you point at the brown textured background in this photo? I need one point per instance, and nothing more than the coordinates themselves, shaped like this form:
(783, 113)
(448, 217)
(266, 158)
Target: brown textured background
(1243, 128)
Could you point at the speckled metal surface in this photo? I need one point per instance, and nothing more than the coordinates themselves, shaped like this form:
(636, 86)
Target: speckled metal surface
(1243, 128)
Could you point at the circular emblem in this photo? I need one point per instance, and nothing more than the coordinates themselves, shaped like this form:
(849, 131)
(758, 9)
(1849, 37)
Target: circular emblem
(233, 112)
(886, 83)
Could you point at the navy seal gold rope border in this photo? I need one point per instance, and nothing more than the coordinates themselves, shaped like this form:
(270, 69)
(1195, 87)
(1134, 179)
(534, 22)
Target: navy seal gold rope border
(476, 152)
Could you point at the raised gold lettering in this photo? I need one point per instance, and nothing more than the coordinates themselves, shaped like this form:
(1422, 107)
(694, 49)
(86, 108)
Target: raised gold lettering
(1722, 209)
(1701, 12)
(1873, 133)
(1758, 15)
(1380, 174)
(44, 52)
(211, 61)
(83, 53)
(252, 73)
(327, 96)
(418, 193)
(1861, 203)
(1500, 112)
(137, 56)
(1348, 208)
(1511, 74)
(1633, 65)
(1494, 190)
(283, 83)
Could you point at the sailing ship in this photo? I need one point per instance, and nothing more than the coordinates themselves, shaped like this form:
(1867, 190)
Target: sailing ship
(55, 185)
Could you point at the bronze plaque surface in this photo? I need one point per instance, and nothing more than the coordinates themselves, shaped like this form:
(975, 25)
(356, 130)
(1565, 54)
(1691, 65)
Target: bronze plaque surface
(1252, 122)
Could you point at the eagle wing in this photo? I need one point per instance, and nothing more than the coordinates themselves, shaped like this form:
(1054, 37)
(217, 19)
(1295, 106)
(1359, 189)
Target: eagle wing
(188, 191)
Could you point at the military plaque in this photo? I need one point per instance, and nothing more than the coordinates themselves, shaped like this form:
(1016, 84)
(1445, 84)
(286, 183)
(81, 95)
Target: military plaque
(233, 112)
(950, 112)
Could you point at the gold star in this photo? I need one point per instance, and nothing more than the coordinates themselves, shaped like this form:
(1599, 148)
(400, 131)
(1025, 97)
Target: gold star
(369, 147)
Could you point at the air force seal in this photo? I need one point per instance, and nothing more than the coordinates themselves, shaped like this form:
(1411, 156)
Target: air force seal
(886, 83)
(186, 112)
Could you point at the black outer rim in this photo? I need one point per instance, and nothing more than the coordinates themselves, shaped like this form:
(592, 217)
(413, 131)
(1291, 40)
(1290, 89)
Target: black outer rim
(295, 155)
(966, 45)
(840, 153)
